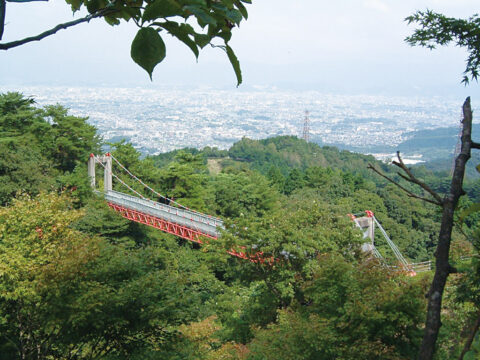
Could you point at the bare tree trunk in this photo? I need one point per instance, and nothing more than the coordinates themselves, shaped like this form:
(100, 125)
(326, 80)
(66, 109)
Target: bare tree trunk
(471, 336)
(443, 267)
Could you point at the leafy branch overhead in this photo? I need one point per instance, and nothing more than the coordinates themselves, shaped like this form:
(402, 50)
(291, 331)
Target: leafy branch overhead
(196, 23)
(437, 29)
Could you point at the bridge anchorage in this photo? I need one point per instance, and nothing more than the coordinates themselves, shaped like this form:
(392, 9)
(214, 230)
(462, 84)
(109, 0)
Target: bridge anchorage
(368, 223)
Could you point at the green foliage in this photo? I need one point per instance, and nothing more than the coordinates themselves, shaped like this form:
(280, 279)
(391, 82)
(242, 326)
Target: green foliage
(292, 237)
(214, 22)
(474, 353)
(23, 168)
(77, 183)
(185, 180)
(63, 292)
(164, 159)
(148, 49)
(40, 146)
(437, 29)
(99, 219)
(69, 139)
(79, 279)
(289, 152)
(343, 319)
(243, 194)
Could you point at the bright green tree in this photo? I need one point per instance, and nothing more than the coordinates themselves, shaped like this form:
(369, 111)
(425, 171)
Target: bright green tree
(65, 294)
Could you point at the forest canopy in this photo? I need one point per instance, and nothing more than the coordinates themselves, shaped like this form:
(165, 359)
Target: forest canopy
(83, 282)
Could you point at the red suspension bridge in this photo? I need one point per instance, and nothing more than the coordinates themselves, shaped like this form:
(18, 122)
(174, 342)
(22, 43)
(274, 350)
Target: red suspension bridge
(173, 218)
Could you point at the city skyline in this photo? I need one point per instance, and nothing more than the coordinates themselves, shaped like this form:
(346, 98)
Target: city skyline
(156, 121)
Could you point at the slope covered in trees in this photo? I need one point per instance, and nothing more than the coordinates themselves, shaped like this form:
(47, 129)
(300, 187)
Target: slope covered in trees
(79, 282)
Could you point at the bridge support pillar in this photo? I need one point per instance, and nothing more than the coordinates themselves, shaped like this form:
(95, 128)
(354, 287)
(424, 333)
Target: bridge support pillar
(91, 170)
(367, 225)
(107, 175)
(106, 161)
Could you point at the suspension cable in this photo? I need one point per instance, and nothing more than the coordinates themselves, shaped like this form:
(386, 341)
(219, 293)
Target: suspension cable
(149, 188)
(140, 195)
(392, 245)
(120, 180)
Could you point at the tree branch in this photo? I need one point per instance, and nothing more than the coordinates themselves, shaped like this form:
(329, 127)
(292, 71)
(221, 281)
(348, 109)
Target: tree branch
(411, 178)
(100, 13)
(470, 338)
(409, 193)
(3, 8)
(475, 145)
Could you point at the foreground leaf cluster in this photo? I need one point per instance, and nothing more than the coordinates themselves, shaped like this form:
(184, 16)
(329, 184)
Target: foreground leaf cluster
(212, 20)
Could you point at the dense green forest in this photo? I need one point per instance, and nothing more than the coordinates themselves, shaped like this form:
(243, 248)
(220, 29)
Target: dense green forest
(77, 281)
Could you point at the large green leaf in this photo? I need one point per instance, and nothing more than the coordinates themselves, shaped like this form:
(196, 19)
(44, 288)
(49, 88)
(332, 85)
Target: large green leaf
(95, 5)
(161, 9)
(202, 15)
(236, 65)
(182, 32)
(202, 40)
(148, 49)
(242, 9)
(235, 16)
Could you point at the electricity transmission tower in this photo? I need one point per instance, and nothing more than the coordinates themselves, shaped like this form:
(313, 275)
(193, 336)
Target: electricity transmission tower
(306, 127)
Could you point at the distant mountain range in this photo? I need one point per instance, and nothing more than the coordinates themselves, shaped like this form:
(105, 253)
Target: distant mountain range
(436, 147)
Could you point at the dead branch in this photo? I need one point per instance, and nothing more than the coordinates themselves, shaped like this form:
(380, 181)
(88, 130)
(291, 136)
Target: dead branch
(475, 145)
(408, 192)
(411, 178)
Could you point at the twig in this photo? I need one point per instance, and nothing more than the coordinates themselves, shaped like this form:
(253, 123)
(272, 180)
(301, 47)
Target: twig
(409, 193)
(12, 44)
(411, 178)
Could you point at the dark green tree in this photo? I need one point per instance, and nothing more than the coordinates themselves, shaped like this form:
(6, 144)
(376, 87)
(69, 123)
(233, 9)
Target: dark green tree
(40, 146)
(185, 180)
(68, 295)
(341, 318)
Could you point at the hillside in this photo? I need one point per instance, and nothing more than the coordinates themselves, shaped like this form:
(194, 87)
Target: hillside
(79, 281)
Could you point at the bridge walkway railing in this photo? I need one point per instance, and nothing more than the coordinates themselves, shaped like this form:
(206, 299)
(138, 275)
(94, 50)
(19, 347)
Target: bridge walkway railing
(200, 222)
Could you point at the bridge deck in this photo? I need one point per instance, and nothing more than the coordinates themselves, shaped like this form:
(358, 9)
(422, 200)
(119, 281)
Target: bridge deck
(201, 223)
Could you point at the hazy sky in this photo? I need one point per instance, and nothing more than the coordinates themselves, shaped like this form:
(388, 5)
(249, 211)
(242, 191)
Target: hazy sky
(349, 46)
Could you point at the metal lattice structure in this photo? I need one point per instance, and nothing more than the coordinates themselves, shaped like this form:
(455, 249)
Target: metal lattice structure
(306, 127)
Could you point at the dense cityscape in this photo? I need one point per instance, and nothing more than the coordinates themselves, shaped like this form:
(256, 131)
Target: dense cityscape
(160, 120)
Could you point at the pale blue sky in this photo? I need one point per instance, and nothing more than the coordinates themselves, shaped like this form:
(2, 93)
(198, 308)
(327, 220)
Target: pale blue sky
(351, 46)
